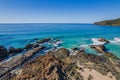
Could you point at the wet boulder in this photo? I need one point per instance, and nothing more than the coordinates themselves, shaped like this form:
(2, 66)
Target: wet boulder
(15, 50)
(28, 46)
(36, 38)
(75, 49)
(43, 40)
(103, 40)
(3, 52)
(99, 48)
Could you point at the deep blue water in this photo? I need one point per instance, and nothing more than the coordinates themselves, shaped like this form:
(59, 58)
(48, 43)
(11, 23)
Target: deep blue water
(73, 35)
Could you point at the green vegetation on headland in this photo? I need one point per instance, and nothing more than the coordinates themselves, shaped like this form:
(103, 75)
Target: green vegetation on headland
(115, 22)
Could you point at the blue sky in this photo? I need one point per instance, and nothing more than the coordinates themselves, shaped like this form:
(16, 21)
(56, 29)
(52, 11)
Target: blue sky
(58, 11)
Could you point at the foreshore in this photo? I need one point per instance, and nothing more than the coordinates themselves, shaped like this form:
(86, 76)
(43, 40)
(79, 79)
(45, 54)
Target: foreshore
(56, 62)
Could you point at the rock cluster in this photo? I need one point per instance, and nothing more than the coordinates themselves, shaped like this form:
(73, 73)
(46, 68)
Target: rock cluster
(103, 40)
(60, 65)
(3, 53)
(43, 40)
(99, 48)
(13, 50)
(7, 67)
(28, 46)
(102, 49)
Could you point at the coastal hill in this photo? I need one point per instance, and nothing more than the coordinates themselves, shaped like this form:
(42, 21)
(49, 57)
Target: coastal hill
(114, 22)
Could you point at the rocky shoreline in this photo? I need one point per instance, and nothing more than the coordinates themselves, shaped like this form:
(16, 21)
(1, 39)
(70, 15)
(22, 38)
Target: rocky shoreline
(61, 64)
(6, 67)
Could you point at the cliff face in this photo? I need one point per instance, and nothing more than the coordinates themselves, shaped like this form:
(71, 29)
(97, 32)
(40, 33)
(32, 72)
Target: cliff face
(60, 65)
(115, 22)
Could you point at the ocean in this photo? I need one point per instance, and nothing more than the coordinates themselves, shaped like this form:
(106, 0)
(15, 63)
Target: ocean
(72, 35)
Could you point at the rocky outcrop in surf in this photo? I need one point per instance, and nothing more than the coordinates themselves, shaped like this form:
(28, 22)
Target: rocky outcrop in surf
(100, 48)
(43, 40)
(8, 52)
(13, 50)
(103, 40)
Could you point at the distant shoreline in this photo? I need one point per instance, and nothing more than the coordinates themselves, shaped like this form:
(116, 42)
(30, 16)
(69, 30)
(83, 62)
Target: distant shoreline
(114, 22)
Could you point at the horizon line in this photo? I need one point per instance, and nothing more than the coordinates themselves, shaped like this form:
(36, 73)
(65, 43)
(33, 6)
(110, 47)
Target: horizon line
(45, 23)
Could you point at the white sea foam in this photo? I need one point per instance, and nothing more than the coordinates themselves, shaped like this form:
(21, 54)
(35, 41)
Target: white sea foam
(115, 40)
(84, 46)
(97, 42)
(57, 43)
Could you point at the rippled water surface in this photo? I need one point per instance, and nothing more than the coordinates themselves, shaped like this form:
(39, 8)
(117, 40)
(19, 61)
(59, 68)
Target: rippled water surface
(73, 35)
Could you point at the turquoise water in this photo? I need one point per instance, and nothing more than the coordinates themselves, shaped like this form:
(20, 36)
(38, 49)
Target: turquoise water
(73, 35)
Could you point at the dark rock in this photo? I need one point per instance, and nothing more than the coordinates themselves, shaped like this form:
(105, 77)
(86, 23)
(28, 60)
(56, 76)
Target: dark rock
(103, 40)
(36, 38)
(50, 69)
(28, 46)
(3, 52)
(12, 64)
(75, 49)
(15, 50)
(98, 48)
(90, 77)
(36, 45)
(43, 40)
(62, 53)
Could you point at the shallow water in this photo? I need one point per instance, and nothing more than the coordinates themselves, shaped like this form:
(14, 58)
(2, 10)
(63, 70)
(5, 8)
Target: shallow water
(73, 35)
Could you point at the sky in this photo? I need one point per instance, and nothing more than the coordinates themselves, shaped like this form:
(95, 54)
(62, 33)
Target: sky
(58, 11)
